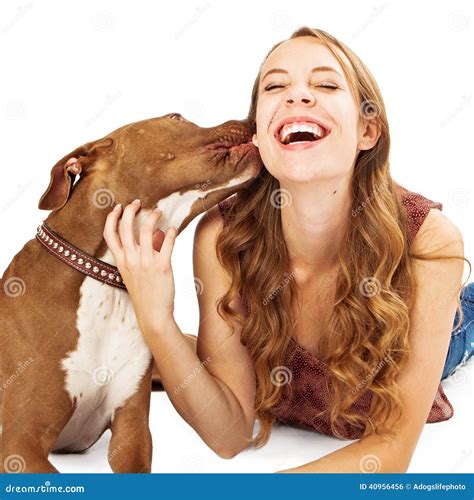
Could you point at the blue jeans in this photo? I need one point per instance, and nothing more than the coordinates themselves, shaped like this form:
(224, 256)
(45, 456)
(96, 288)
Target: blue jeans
(461, 346)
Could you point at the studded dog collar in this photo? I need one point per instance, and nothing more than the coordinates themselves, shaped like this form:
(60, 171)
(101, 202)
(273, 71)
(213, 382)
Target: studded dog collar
(79, 260)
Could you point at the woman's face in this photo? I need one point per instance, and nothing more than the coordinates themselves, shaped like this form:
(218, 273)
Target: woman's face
(305, 88)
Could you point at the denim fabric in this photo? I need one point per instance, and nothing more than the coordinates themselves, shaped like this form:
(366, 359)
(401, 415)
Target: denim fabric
(461, 346)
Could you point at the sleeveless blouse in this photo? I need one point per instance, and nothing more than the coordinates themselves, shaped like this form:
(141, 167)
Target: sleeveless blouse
(307, 394)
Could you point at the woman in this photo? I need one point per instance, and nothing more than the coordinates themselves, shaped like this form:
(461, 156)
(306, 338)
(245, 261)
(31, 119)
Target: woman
(327, 287)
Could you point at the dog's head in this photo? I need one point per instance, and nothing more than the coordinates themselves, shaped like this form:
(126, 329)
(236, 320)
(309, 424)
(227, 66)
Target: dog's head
(157, 158)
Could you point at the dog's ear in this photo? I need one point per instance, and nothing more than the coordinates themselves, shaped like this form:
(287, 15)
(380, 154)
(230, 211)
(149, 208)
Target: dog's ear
(65, 171)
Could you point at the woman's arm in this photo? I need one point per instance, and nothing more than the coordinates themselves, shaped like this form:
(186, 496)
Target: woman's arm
(214, 389)
(203, 399)
(438, 284)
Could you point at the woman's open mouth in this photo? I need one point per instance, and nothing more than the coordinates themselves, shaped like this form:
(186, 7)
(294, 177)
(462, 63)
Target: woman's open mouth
(301, 135)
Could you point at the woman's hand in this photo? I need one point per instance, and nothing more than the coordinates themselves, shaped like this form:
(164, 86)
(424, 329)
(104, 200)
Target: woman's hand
(146, 272)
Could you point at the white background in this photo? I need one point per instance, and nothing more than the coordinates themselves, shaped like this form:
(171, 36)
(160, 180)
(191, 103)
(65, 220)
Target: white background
(71, 72)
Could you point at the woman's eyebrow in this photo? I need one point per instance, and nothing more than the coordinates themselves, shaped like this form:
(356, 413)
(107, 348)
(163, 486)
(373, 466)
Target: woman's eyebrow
(317, 68)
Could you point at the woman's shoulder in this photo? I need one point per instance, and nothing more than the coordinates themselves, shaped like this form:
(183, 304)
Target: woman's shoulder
(428, 229)
(417, 204)
(419, 211)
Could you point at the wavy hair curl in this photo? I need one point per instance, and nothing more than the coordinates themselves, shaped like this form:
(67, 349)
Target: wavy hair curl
(367, 330)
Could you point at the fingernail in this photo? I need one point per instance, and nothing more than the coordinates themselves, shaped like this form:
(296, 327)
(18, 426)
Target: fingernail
(119, 205)
(137, 201)
(157, 210)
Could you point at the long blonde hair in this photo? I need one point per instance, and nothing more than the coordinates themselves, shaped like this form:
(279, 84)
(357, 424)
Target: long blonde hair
(367, 330)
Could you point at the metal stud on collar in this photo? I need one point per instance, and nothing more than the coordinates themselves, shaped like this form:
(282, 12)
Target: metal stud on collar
(76, 258)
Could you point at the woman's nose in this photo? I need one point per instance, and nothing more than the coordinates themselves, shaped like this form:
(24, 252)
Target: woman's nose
(300, 95)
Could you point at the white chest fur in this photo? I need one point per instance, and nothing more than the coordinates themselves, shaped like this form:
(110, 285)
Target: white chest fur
(176, 207)
(110, 359)
(111, 356)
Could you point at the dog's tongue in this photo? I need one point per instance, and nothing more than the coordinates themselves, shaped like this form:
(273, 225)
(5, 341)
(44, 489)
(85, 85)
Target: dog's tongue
(158, 237)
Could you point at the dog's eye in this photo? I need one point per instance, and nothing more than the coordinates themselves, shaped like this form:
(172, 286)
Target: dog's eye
(177, 116)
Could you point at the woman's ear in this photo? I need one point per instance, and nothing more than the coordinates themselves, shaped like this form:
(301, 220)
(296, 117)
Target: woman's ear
(65, 170)
(371, 133)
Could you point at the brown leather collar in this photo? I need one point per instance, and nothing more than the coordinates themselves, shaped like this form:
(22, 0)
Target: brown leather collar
(77, 259)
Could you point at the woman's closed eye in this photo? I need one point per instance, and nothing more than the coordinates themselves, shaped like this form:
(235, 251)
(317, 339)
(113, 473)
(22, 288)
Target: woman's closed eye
(330, 86)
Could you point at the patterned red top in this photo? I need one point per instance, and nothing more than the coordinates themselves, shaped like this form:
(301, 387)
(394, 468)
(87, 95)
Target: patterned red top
(309, 393)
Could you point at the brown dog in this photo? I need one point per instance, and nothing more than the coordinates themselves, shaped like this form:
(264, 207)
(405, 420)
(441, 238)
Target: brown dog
(74, 361)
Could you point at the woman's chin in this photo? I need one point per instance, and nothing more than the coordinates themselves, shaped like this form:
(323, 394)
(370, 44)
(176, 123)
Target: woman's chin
(299, 174)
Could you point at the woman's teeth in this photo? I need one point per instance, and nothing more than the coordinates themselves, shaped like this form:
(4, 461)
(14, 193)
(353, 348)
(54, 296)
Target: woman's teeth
(305, 131)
